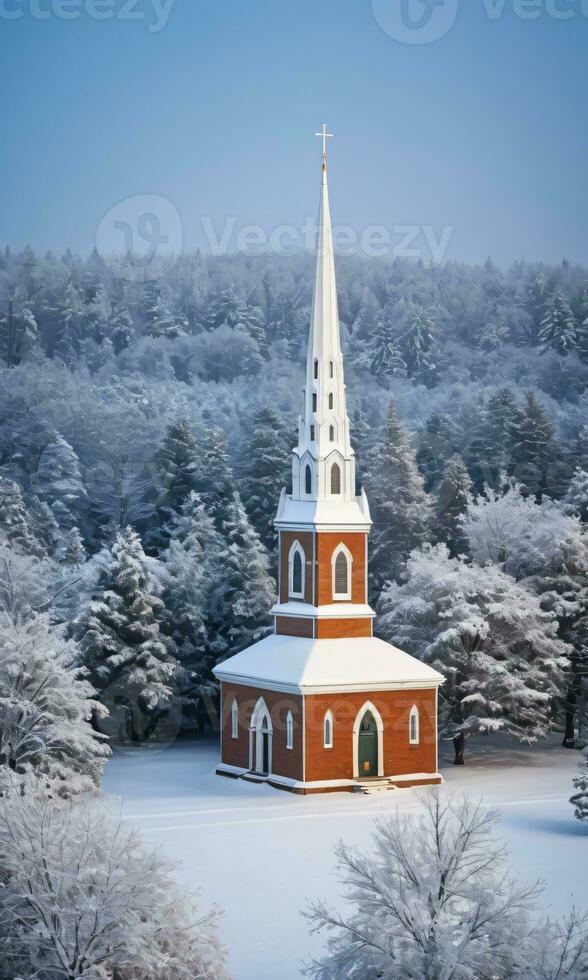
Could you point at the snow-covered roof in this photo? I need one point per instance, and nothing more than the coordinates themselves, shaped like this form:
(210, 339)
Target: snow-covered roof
(324, 514)
(307, 666)
(331, 610)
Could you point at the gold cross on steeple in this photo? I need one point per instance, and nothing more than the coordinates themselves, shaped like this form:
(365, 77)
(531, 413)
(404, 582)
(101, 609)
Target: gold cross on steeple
(323, 136)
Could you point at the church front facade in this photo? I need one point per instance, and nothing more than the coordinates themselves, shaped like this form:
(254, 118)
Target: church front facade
(322, 704)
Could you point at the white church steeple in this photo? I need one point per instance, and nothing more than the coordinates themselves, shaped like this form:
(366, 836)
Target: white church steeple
(323, 462)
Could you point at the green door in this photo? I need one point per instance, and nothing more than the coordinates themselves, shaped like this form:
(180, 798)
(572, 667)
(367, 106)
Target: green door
(368, 746)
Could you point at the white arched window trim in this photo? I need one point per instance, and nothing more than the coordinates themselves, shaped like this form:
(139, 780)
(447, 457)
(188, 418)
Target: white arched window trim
(328, 730)
(261, 721)
(296, 548)
(414, 725)
(368, 706)
(289, 731)
(234, 719)
(341, 549)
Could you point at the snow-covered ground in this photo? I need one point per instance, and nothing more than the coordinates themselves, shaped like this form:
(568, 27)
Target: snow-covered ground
(261, 854)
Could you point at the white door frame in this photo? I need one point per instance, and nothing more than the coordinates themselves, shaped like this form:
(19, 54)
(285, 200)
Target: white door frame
(368, 706)
(256, 733)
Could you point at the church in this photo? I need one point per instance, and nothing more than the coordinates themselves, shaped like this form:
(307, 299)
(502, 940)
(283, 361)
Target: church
(321, 704)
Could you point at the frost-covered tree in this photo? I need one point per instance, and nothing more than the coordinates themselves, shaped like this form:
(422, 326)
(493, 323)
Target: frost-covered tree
(177, 461)
(85, 899)
(73, 551)
(415, 337)
(121, 329)
(43, 525)
(129, 660)
(401, 510)
(546, 549)
(23, 585)
(434, 901)
(245, 591)
(498, 649)
(453, 497)
(45, 707)
(14, 525)
(576, 498)
(386, 357)
(536, 456)
(579, 800)
(60, 483)
(558, 326)
(436, 447)
(19, 333)
(215, 482)
(266, 469)
(159, 320)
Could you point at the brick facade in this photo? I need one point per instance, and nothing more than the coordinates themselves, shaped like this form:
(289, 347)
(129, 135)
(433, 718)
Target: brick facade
(326, 543)
(235, 752)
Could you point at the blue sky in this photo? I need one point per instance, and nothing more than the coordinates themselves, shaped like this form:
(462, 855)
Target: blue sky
(482, 131)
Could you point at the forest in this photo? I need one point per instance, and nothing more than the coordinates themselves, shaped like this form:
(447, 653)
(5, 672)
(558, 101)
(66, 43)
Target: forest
(146, 427)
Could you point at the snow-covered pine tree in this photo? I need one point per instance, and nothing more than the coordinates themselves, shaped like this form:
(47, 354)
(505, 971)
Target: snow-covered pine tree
(536, 456)
(537, 297)
(558, 326)
(19, 333)
(453, 497)
(215, 480)
(120, 640)
(73, 551)
(121, 329)
(43, 525)
(45, 707)
(266, 468)
(245, 591)
(362, 442)
(488, 635)
(579, 799)
(415, 337)
(490, 451)
(386, 357)
(436, 447)
(14, 524)
(401, 510)
(23, 585)
(159, 321)
(177, 461)
(83, 897)
(60, 483)
(191, 574)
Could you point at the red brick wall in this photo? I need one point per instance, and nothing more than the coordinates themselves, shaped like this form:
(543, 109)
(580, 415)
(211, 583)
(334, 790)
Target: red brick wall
(235, 752)
(294, 626)
(329, 629)
(394, 706)
(287, 539)
(325, 545)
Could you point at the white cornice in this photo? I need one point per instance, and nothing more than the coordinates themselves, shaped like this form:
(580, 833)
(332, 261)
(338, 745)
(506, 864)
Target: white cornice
(334, 610)
(265, 684)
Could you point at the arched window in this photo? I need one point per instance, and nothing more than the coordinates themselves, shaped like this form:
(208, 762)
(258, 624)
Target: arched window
(342, 561)
(308, 480)
(312, 433)
(331, 433)
(330, 399)
(289, 731)
(331, 369)
(315, 369)
(314, 401)
(328, 731)
(413, 726)
(335, 478)
(296, 560)
(234, 719)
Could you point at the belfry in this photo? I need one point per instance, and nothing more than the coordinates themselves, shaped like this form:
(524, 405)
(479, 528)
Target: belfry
(322, 704)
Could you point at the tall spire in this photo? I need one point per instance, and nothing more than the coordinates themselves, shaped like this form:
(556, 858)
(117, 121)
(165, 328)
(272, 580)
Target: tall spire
(323, 438)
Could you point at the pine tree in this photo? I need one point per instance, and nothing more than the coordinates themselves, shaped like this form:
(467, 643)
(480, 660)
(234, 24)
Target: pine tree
(120, 328)
(14, 524)
(19, 333)
(177, 461)
(436, 447)
(415, 337)
(386, 357)
(536, 457)
(537, 295)
(159, 320)
(73, 552)
(60, 483)
(558, 326)
(215, 480)
(120, 640)
(266, 469)
(401, 509)
(579, 800)
(239, 611)
(452, 501)
(576, 498)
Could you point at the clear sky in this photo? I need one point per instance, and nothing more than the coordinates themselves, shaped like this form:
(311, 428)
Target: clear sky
(482, 131)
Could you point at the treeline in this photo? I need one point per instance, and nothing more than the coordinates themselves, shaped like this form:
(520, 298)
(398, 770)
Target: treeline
(146, 424)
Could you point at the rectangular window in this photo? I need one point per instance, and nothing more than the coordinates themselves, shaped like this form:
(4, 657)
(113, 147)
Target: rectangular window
(314, 402)
(312, 433)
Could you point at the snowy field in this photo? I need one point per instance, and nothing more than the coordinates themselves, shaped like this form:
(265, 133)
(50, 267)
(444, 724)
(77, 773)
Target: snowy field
(261, 853)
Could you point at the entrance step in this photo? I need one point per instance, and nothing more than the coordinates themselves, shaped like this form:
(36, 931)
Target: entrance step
(254, 777)
(375, 785)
